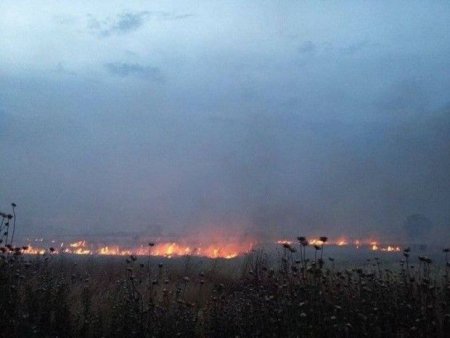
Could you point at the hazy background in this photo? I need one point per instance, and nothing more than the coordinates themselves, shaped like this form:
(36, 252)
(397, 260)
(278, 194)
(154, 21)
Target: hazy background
(262, 117)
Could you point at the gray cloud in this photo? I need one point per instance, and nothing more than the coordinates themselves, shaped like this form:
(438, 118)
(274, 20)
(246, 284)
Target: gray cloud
(123, 23)
(134, 69)
(128, 22)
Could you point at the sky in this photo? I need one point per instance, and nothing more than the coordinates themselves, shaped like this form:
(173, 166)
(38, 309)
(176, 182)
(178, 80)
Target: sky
(262, 118)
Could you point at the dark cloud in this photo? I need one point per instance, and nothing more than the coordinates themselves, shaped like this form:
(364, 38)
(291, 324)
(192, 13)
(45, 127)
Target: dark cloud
(128, 22)
(123, 23)
(134, 69)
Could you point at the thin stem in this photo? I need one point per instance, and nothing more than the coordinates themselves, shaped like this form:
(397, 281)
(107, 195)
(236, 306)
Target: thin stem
(1, 228)
(14, 224)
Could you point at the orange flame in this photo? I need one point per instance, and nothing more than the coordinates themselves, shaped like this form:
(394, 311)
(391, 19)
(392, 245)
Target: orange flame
(169, 249)
(173, 249)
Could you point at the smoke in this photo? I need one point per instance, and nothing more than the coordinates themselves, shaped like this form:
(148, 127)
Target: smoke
(310, 125)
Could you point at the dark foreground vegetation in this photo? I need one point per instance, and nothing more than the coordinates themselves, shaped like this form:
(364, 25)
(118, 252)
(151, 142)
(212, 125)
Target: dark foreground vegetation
(284, 295)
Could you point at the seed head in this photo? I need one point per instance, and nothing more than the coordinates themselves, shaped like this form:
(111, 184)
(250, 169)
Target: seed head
(286, 245)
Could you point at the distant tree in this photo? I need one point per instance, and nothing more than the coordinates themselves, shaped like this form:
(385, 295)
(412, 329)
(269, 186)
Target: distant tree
(417, 228)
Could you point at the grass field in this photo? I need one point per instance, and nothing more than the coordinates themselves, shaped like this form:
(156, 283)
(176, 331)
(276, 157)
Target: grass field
(294, 291)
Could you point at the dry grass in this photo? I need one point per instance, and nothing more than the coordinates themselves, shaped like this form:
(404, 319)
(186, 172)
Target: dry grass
(297, 293)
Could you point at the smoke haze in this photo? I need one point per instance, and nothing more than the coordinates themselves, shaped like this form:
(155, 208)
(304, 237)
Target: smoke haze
(259, 119)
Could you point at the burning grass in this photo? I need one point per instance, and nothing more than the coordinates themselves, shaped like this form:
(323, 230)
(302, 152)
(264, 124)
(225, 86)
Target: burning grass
(216, 249)
(297, 290)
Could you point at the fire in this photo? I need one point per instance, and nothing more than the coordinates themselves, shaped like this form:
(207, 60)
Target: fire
(215, 249)
(211, 251)
(79, 244)
(374, 246)
(342, 242)
(168, 249)
(113, 251)
(315, 241)
(390, 248)
(35, 251)
(284, 241)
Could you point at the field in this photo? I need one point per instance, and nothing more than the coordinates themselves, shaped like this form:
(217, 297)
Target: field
(294, 291)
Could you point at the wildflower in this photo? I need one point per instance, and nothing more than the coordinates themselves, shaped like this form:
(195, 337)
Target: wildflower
(286, 245)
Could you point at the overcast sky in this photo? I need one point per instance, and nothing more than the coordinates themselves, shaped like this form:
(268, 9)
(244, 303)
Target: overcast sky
(275, 118)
